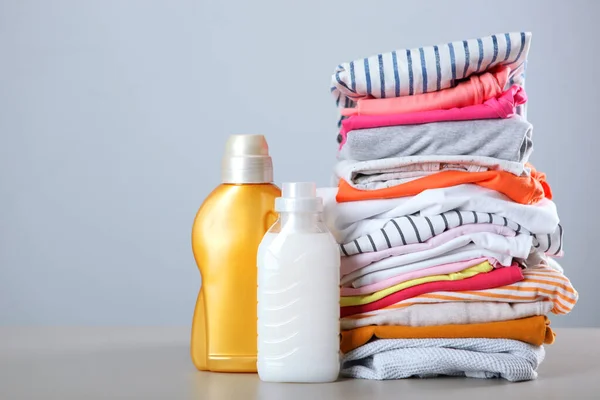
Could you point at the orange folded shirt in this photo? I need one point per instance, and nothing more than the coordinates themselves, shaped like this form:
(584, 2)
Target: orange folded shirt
(520, 189)
(533, 330)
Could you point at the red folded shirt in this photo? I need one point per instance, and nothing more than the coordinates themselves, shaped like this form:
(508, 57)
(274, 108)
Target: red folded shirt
(498, 277)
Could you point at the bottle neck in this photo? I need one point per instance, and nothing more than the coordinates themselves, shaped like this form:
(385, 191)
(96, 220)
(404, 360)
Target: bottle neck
(301, 221)
(246, 170)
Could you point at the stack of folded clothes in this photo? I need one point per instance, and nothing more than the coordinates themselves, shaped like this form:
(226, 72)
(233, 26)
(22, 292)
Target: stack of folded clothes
(447, 233)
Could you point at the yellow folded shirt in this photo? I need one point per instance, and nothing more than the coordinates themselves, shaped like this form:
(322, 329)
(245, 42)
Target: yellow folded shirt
(455, 276)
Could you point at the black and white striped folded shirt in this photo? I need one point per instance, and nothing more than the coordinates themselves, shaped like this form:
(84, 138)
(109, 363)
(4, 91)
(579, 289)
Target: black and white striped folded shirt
(411, 229)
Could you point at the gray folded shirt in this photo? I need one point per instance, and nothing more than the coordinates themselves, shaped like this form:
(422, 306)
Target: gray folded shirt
(505, 139)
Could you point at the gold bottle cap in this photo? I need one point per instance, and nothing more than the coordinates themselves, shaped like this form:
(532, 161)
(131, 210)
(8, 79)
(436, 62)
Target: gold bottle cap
(246, 160)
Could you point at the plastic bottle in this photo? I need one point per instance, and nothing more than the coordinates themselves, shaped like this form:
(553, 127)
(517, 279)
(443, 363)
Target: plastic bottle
(225, 237)
(298, 292)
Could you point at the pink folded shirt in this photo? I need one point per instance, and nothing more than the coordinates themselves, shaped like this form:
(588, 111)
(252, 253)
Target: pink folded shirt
(437, 270)
(476, 90)
(503, 106)
(352, 263)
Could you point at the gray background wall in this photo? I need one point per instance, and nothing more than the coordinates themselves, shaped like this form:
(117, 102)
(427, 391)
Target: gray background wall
(113, 117)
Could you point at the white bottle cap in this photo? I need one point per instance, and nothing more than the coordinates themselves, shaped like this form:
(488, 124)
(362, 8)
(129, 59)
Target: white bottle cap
(299, 197)
(246, 160)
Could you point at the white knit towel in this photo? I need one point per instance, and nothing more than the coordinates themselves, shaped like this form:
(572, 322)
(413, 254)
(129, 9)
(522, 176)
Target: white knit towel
(475, 358)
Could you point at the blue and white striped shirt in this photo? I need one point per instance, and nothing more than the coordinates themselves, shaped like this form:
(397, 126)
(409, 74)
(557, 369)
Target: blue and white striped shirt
(427, 69)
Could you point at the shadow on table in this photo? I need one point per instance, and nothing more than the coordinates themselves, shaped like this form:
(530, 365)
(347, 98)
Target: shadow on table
(208, 385)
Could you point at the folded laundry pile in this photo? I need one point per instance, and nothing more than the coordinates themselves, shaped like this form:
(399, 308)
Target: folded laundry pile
(447, 234)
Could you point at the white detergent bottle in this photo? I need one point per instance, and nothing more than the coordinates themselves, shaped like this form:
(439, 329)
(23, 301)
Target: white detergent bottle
(298, 292)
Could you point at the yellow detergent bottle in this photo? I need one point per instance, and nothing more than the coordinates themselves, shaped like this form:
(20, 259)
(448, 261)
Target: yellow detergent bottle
(225, 236)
